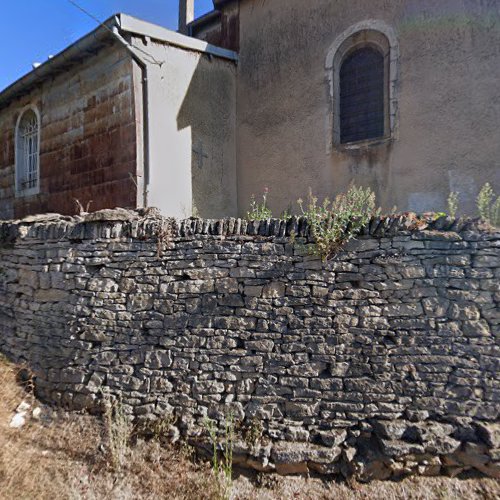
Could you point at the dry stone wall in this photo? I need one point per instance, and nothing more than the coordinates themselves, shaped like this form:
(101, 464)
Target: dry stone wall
(379, 363)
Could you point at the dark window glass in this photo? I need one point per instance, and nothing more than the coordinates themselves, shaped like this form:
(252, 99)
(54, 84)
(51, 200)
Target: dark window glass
(362, 96)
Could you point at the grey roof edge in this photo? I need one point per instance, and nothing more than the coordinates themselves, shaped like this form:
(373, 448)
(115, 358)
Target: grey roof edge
(103, 32)
(50, 66)
(136, 26)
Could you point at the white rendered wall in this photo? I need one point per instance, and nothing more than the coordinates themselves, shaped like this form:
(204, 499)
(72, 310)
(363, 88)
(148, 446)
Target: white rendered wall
(192, 126)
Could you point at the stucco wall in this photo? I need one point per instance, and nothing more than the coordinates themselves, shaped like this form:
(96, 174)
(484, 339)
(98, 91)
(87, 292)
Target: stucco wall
(87, 139)
(381, 362)
(192, 101)
(447, 91)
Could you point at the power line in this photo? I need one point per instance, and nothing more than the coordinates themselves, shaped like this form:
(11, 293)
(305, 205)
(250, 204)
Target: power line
(86, 12)
(153, 59)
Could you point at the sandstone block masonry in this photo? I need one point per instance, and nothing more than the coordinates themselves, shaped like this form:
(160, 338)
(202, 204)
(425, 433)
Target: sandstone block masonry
(381, 362)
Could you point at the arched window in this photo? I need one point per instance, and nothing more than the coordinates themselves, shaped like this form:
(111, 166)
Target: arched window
(362, 74)
(28, 153)
(362, 108)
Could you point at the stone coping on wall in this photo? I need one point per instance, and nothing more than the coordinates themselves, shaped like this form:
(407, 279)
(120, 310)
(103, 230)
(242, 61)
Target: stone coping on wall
(148, 223)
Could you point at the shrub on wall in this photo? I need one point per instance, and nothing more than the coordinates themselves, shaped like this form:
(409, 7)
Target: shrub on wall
(333, 223)
(259, 210)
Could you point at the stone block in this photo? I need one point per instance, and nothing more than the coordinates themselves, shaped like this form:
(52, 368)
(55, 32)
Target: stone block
(226, 285)
(140, 302)
(401, 310)
(436, 307)
(158, 359)
(476, 328)
(51, 295)
(489, 432)
(273, 290)
(390, 429)
(253, 291)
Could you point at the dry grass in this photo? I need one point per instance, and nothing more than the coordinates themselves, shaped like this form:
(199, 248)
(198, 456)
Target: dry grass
(66, 456)
(421, 488)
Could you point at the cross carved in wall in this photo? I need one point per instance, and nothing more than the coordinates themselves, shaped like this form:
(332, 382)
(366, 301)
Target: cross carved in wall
(200, 153)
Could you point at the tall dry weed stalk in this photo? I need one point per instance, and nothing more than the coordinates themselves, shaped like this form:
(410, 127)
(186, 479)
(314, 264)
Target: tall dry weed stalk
(452, 203)
(223, 468)
(118, 431)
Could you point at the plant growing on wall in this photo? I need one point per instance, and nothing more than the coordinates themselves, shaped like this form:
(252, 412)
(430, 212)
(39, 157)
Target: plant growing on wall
(453, 204)
(333, 223)
(488, 205)
(259, 210)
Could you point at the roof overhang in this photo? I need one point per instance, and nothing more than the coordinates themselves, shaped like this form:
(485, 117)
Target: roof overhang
(76, 52)
(135, 26)
(103, 36)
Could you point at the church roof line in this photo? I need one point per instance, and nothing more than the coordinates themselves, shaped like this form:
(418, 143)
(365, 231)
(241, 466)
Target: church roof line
(98, 38)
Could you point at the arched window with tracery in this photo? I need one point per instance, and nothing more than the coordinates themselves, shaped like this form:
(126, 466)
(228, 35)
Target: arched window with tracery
(362, 96)
(28, 153)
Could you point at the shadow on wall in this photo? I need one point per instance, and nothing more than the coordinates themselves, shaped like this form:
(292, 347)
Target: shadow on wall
(208, 109)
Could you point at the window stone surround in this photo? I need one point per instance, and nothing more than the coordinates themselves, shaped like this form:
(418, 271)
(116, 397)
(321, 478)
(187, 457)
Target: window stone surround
(373, 33)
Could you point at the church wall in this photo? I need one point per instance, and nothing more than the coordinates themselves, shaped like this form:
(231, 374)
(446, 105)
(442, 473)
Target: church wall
(448, 102)
(87, 139)
(192, 123)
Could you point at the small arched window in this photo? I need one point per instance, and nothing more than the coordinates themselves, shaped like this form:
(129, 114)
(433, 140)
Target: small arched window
(362, 74)
(362, 96)
(28, 153)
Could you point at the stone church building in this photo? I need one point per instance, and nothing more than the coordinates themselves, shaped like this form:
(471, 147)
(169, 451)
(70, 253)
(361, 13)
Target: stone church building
(399, 95)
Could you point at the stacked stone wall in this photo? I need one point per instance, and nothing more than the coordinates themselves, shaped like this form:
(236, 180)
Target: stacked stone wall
(380, 362)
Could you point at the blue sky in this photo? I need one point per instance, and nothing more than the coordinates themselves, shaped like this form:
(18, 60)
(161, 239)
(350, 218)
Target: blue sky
(31, 30)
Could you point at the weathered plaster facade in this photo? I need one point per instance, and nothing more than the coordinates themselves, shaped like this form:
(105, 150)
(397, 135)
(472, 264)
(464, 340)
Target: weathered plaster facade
(445, 106)
(192, 132)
